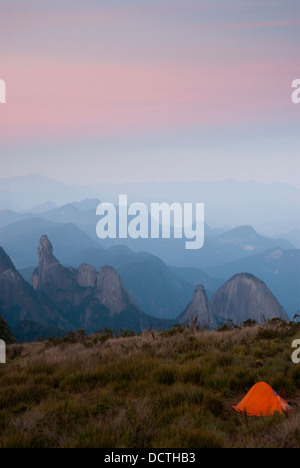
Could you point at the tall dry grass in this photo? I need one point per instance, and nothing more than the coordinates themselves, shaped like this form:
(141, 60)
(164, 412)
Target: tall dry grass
(171, 389)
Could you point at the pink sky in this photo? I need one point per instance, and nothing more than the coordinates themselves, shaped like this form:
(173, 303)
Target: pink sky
(83, 70)
(112, 70)
(46, 99)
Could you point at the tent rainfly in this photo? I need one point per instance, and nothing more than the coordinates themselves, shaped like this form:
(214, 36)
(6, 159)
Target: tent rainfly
(262, 400)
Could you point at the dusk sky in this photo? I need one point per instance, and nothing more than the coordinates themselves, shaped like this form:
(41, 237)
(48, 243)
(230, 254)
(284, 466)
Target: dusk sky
(130, 91)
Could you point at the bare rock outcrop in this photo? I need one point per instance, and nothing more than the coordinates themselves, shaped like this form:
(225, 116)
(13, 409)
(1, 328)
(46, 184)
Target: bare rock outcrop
(245, 297)
(19, 301)
(86, 298)
(199, 310)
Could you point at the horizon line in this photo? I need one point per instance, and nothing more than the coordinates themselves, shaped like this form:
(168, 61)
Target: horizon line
(150, 181)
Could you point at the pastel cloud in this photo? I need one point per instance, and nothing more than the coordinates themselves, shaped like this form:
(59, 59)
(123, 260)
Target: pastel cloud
(112, 99)
(168, 84)
(100, 68)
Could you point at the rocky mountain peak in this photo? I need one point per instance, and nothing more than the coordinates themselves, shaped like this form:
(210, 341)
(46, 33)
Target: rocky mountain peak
(110, 290)
(245, 297)
(8, 273)
(199, 309)
(49, 268)
(45, 251)
(200, 289)
(20, 302)
(85, 297)
(5, 262)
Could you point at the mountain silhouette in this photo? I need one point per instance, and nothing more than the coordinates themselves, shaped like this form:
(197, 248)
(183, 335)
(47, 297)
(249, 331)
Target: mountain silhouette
(245, 297)
(199, 310)
(88, 298)
(19, 301)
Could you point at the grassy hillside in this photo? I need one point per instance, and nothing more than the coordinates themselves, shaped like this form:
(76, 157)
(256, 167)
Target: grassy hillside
(157, 390)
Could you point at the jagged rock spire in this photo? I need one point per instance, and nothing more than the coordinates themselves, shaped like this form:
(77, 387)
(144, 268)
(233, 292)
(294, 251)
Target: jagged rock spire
(45, 251)
(198, 310)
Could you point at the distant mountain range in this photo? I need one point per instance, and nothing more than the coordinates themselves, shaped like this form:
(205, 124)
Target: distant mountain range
(160, 275)
(159, 289)
(67, 238)
(87, 298)
(19, 301)
(293, 236)
(152, 284)
(241, 298)
(63, 299)
(235, 244)
(278, 268)
(228, 202)
(221, 248)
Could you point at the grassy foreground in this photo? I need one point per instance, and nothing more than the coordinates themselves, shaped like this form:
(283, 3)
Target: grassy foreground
(172, 389)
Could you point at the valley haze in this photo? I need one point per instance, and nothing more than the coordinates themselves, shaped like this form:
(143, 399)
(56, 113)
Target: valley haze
(160, 274)
(133, 221)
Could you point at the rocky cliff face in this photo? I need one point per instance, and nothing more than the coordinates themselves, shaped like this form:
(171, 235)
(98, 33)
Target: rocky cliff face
(19, 301)
(86, 298)
(111, 292)
(48, 265)
(245, 297)
(67, 299)
(87, 276)
(199, 310)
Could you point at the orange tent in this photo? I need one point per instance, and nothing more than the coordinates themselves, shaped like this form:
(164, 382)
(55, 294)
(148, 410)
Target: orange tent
(262, 400)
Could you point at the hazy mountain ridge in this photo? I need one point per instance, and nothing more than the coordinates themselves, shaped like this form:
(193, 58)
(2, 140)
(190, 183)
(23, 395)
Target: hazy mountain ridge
(225, 200)
(160, 275)
(68, 239)
(155, 287)
(88, 298)
(19, 301)
(68, 298)
(278, 268)
(243, 297)
(75, 247)
(231, 245)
